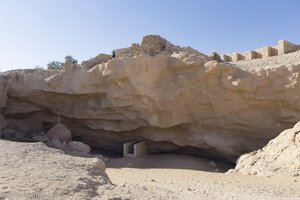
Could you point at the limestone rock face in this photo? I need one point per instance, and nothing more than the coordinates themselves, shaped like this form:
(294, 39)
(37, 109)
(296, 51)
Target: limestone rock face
(60, 132)
(280, 156)
(179, 102)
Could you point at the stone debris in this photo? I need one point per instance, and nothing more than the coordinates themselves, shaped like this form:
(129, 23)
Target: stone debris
(55, 143)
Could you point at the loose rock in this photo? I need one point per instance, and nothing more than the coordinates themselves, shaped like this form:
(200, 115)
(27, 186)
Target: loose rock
(60, 132)
(79, 147)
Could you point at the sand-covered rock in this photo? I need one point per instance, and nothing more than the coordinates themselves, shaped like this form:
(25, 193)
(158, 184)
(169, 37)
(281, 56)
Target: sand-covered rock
(281, 156)
(35, 169)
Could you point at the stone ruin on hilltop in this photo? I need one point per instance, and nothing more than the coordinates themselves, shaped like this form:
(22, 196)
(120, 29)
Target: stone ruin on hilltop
(155, 44)
(151, 45)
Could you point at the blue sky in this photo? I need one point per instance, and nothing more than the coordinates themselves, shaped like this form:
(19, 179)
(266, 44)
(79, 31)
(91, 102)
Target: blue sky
(34, 32)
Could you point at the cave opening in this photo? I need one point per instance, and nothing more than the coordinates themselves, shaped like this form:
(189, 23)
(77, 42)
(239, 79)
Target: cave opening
(171, 156)
(163, 154)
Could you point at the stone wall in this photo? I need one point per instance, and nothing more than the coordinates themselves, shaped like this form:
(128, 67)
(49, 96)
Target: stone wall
(287, 47)
(265, 52)
(283, 47)
(151, 45)
(154, 39)
(135, 49)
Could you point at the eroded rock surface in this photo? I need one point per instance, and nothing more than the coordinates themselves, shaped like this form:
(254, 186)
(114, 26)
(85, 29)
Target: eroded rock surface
(178, 102)
(101, 58)
(281, 156)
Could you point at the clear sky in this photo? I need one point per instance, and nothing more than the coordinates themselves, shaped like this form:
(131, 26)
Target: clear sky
(34, 32)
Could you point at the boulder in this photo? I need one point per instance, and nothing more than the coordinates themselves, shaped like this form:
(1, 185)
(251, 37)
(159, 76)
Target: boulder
(78, 147)
(40, 137)
(11, 134)
(56, 144)
(60, 132)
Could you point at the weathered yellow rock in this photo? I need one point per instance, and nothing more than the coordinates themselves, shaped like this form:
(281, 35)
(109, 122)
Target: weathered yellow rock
(183, 100)
(280, 156)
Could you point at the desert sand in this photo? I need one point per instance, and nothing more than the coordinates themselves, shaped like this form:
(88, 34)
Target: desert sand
(188, 177)
(29, 169)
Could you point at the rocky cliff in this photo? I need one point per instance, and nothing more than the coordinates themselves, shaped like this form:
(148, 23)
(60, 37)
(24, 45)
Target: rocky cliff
(175, 102)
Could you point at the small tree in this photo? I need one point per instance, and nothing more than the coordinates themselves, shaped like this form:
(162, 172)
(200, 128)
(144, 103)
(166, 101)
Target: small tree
(59, 65)
(71, 59)
(55, 65)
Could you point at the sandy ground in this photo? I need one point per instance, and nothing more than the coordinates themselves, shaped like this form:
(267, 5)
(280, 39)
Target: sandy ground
(188, 177)
(35, 171)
